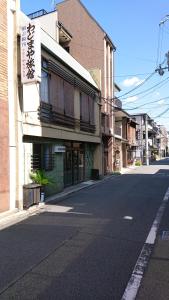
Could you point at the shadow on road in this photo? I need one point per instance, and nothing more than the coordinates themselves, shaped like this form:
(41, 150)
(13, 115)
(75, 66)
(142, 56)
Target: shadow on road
(161, 162)
(84, 241)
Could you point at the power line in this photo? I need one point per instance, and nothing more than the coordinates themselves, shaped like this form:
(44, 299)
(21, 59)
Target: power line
(152, 102)
(148, 88)
(130, 75)
(143, 82)
(162, 113)
(162, 84)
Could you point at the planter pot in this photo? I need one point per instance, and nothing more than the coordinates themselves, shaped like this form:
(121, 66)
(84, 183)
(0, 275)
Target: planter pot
(31, 194)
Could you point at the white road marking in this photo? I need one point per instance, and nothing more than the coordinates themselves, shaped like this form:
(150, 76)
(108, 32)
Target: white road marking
(128, 218)
(133, 285)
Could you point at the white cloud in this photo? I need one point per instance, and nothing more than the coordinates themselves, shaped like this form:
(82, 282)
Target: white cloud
(161, 102)
(134, 81)
(131, 99)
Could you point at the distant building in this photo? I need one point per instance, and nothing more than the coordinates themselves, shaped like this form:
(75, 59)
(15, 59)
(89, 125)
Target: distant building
(156, 138)
(125, 137)
(162, 138)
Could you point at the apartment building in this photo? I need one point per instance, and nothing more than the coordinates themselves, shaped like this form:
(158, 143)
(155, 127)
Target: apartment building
(146, 133)
(93, 48)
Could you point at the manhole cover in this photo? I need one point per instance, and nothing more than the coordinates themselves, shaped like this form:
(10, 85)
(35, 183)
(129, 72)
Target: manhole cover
(165, 235)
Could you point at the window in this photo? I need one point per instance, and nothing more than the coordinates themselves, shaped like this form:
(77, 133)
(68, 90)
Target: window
(44, 85)
(68, 99)
(36, 161)
(91, 111)
(48, 159)
(61, 95)
(42, 157)
(87, 115)
(84, 107)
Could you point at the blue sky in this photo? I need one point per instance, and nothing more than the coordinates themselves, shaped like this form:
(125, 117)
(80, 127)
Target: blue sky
(134, 28)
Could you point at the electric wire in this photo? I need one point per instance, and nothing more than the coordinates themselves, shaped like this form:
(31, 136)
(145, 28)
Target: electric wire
(132, 75)
(161, 114)
(157, 84)
(159, 87)
(138, 86)
(152, 102)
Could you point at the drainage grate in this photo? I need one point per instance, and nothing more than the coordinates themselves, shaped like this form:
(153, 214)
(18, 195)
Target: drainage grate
(165, 235)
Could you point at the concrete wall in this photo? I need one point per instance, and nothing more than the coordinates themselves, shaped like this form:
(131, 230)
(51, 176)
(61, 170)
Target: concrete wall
(49, 23)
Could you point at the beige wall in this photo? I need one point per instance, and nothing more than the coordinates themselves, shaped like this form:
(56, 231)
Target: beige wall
(4, 119)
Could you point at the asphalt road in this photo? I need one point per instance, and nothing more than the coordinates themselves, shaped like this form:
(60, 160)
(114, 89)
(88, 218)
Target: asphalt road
(83, 247)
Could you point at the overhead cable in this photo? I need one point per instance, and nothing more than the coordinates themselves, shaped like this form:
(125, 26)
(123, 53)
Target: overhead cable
(136, 87)
(157, 84)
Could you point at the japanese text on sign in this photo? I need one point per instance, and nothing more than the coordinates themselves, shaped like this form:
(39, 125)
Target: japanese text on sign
(30, 53)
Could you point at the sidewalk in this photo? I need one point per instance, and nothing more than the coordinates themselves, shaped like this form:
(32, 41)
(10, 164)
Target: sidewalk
(155, 284)
(10, 218)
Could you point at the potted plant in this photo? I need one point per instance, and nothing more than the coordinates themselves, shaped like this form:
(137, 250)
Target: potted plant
(42, 179)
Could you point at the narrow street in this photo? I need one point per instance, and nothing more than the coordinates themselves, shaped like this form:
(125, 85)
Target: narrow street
(86, 246)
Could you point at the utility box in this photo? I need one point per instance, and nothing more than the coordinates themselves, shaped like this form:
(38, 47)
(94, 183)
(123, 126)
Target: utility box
(95, 174)
(31, 194)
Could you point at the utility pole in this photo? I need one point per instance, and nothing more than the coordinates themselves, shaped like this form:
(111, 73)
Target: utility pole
(160, 69)
(146, 140)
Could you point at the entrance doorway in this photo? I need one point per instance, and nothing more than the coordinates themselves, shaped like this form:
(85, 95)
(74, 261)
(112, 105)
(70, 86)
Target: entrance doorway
(73, 163)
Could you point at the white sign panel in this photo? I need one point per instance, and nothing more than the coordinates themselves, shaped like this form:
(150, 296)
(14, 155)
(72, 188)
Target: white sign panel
(30, 52)
(59, 148)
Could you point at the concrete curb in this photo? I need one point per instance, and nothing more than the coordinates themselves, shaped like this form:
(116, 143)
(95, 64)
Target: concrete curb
(15, 216)
(85, 185)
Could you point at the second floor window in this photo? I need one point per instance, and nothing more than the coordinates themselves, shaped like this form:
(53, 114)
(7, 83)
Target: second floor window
(61, 95)
(44, 85)
(87, 108)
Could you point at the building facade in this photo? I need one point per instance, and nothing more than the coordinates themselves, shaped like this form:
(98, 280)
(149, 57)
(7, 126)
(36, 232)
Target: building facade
(93, 48)
(146, 138)
(60, 114)
(162, 141)
(125, 137)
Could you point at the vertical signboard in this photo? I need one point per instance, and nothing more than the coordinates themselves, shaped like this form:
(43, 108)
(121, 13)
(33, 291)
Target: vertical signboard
(30, 52)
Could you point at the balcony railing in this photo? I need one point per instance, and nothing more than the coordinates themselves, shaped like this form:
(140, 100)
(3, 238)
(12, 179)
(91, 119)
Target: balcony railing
(48, 114)
(84, 126)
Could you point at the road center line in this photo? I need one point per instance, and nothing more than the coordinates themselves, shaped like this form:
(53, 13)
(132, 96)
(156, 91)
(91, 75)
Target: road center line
(137, 274)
